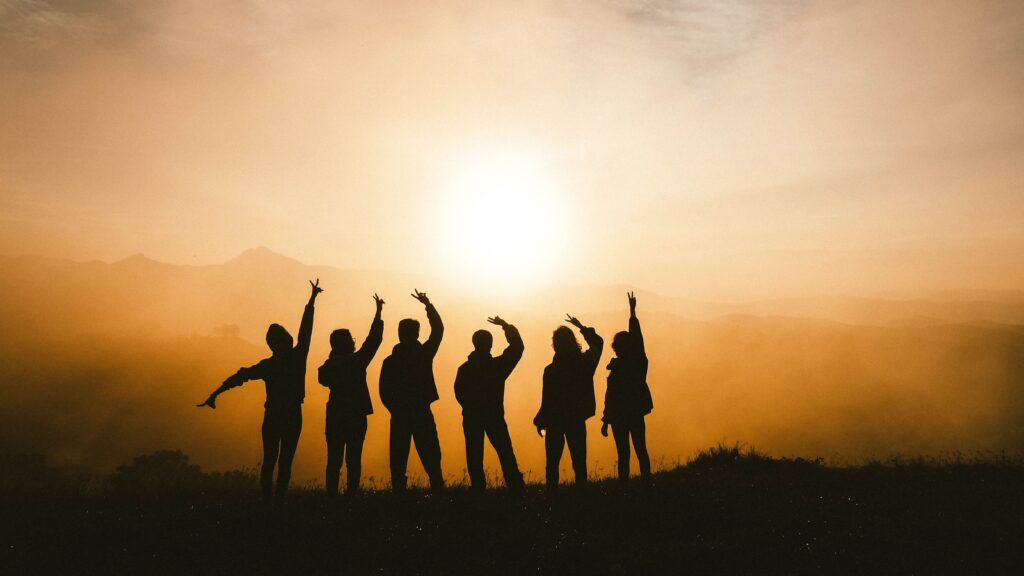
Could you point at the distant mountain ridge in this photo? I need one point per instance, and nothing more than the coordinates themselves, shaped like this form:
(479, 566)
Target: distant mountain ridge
(228, 288)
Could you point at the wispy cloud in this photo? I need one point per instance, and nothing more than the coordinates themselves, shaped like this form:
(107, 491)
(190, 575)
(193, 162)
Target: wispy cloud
(705, 34)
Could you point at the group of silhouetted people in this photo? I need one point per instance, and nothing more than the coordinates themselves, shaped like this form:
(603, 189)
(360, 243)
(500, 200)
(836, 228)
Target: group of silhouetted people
(408, 388)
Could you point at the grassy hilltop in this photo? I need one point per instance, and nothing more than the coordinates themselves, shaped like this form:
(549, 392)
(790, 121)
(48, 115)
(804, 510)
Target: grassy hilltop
(726, 511)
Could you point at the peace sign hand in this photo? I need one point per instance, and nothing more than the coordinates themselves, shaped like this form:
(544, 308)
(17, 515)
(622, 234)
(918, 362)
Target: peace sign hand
(316, 289)
(421, 296)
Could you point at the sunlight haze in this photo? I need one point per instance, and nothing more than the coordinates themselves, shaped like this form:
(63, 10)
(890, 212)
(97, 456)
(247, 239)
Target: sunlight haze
(763, 149)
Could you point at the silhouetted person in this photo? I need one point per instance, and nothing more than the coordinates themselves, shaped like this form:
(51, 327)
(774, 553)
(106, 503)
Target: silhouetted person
(568, 400)
(480, 390)
(628, 398)
(285, 376)
(407, 389)
(344, 373)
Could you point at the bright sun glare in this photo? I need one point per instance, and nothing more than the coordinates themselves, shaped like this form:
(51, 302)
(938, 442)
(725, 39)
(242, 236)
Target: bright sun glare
(503, 223)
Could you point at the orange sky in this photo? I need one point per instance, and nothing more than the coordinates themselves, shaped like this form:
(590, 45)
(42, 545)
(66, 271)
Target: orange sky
(721, 150)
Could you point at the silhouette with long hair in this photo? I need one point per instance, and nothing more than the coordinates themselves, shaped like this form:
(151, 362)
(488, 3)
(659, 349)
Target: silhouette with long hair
(480, 390)
(284, 374)
(628, 398)
(407, 389)
(344, 373)
(567, 400)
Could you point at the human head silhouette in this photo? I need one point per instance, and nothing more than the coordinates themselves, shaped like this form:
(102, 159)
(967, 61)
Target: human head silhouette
(563, 340)
(622, 344)
(278, 339)
(342, 341)
(408, 331)
(482, 341)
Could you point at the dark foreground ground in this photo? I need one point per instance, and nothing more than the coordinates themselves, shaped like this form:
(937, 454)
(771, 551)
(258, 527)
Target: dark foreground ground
(724, 513)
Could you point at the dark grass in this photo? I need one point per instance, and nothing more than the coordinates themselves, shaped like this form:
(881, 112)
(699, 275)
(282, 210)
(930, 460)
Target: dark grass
(728, 511)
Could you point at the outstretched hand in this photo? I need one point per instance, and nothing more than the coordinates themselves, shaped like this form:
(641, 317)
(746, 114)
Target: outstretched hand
(421, 296)
(211, 402)
(378, 300)
(632, 301)
(498, 321)
(316, 288)
(574, 321)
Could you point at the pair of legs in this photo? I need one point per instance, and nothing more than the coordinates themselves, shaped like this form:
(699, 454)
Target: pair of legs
(345, 436)
(636, 429)
(281, 428)
(415, 426)
(495, 428)
(574, 434)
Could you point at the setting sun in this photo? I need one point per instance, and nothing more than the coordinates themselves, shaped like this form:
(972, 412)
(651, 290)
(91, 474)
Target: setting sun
(502, 223)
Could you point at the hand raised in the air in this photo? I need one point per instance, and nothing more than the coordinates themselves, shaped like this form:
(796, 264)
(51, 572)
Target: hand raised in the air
(421, 296)
(497, 321)
(378, 300)
(211, 402)
(316, 289)
(574, 321)
(632, 302)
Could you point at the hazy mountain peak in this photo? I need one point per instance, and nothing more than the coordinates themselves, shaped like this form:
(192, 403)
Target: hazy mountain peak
(138, 259)
(262, 256)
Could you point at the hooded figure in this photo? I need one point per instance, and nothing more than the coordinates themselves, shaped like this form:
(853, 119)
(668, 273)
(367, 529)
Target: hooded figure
(567, 400)
(480, 390)
(407, 389)
(344, 373)
(284, 374)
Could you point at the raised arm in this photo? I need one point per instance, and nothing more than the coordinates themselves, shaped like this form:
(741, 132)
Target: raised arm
(306, 326)
(595, 344)
(436, 326)
(254, 372)
(634, 328)
(514, 351)
(372, 342)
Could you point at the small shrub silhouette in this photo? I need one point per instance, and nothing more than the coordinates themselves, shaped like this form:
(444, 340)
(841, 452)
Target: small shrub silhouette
(161, 473)
(27, 475)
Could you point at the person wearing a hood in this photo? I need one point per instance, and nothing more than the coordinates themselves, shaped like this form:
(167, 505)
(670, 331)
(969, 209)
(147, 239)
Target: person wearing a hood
(628, 398)
(480, 390)
(344, 373)
(407, 390)
(284, 374)
(567, 400)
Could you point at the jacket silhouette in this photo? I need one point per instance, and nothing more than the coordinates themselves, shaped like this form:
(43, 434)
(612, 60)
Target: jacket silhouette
(407, 389)
(567, 400)
(480, 390)
(284, 374)
(344, 373)
(628, 397)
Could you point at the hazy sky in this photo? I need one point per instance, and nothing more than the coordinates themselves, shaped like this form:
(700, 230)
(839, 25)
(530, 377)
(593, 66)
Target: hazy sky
(718, 149)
